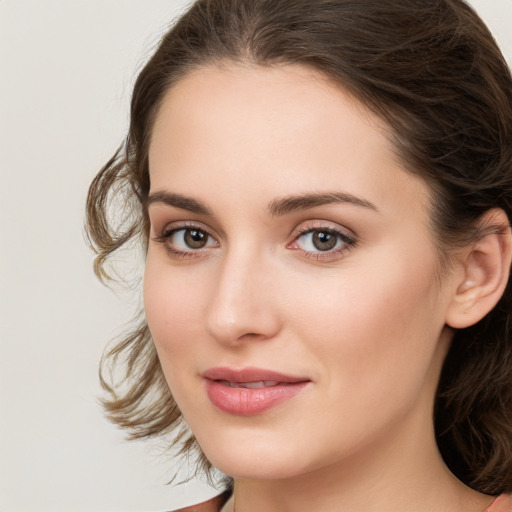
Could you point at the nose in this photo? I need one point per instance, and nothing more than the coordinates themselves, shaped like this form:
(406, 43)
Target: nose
(242, 306)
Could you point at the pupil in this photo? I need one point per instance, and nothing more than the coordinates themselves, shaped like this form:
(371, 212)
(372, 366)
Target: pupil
(324, 241)
(195, 239)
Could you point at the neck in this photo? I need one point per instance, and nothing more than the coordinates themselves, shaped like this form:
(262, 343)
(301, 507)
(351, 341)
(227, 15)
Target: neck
(406, 474)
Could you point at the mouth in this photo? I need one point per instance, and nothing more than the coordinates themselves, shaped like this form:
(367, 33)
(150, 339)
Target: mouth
(250, 391)
(251, 385)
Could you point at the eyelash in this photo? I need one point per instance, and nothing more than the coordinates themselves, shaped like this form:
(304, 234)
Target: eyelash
(166, 234)
(348, 241)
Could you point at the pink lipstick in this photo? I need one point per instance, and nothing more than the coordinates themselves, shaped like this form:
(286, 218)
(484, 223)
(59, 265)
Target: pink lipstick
(250, 391)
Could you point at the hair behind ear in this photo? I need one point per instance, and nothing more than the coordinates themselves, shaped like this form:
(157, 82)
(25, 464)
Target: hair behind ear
(473, 413)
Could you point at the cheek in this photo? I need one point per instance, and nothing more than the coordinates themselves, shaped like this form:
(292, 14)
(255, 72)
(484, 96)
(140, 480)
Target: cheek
(371, 325)
(173, 305)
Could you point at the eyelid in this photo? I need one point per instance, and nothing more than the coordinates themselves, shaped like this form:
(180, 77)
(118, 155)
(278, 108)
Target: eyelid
(318, 225)
(172, 228)
(183, 224)
(347, 236)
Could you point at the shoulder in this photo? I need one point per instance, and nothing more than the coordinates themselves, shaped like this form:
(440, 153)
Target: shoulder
(213, 505)
(502, 503)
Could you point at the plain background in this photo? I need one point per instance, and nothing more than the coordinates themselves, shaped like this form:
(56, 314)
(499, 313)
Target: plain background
(66, 71)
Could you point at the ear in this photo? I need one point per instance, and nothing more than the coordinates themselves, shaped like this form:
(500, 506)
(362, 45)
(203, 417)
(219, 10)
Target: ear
(485, 271)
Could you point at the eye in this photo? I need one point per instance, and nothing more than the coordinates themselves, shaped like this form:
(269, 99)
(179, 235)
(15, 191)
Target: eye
(186, 240)
(319, 241)
(190, 238)
(322, 241)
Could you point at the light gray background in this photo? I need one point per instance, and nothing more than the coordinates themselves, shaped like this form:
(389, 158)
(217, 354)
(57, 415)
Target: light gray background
(66, 71)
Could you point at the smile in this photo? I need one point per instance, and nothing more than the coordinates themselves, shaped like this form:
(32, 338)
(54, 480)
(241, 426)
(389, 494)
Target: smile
(251, 391)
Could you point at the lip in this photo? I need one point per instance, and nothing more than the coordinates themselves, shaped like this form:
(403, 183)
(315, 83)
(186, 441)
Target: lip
(228, 389)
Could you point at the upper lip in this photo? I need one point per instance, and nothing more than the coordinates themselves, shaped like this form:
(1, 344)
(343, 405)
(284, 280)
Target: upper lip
(249, 375)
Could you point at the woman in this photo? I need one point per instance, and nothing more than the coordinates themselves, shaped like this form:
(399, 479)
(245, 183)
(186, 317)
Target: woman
(323, 192)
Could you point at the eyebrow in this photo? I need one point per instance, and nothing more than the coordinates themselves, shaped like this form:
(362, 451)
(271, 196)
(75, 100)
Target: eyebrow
(179, 201)
(277, 207)
(304, 201)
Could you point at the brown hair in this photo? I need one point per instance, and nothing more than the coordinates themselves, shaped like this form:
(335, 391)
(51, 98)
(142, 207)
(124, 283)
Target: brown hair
(432, 71)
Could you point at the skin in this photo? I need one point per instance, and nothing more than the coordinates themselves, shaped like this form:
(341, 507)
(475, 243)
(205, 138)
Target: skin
(365, 322)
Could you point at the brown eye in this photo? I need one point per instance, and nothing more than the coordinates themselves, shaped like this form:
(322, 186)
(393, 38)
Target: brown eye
(187, 240)
(324, 240)
(195, 238)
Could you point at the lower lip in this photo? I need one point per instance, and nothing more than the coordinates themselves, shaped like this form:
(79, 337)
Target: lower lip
(248, 402)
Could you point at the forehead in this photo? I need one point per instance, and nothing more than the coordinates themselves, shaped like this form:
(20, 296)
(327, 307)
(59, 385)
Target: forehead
(272, 131)
(254, 101)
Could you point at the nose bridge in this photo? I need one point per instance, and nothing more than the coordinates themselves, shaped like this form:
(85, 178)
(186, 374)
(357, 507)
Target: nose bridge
(242, 305)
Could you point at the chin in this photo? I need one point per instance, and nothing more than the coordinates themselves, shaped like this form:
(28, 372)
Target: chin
(256, 460)
(256, 469)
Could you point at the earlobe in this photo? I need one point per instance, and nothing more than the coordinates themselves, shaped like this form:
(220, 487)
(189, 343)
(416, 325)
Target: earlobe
(486, 267)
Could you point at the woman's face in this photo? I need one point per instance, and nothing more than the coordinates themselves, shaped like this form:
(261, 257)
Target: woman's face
(291, 282)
